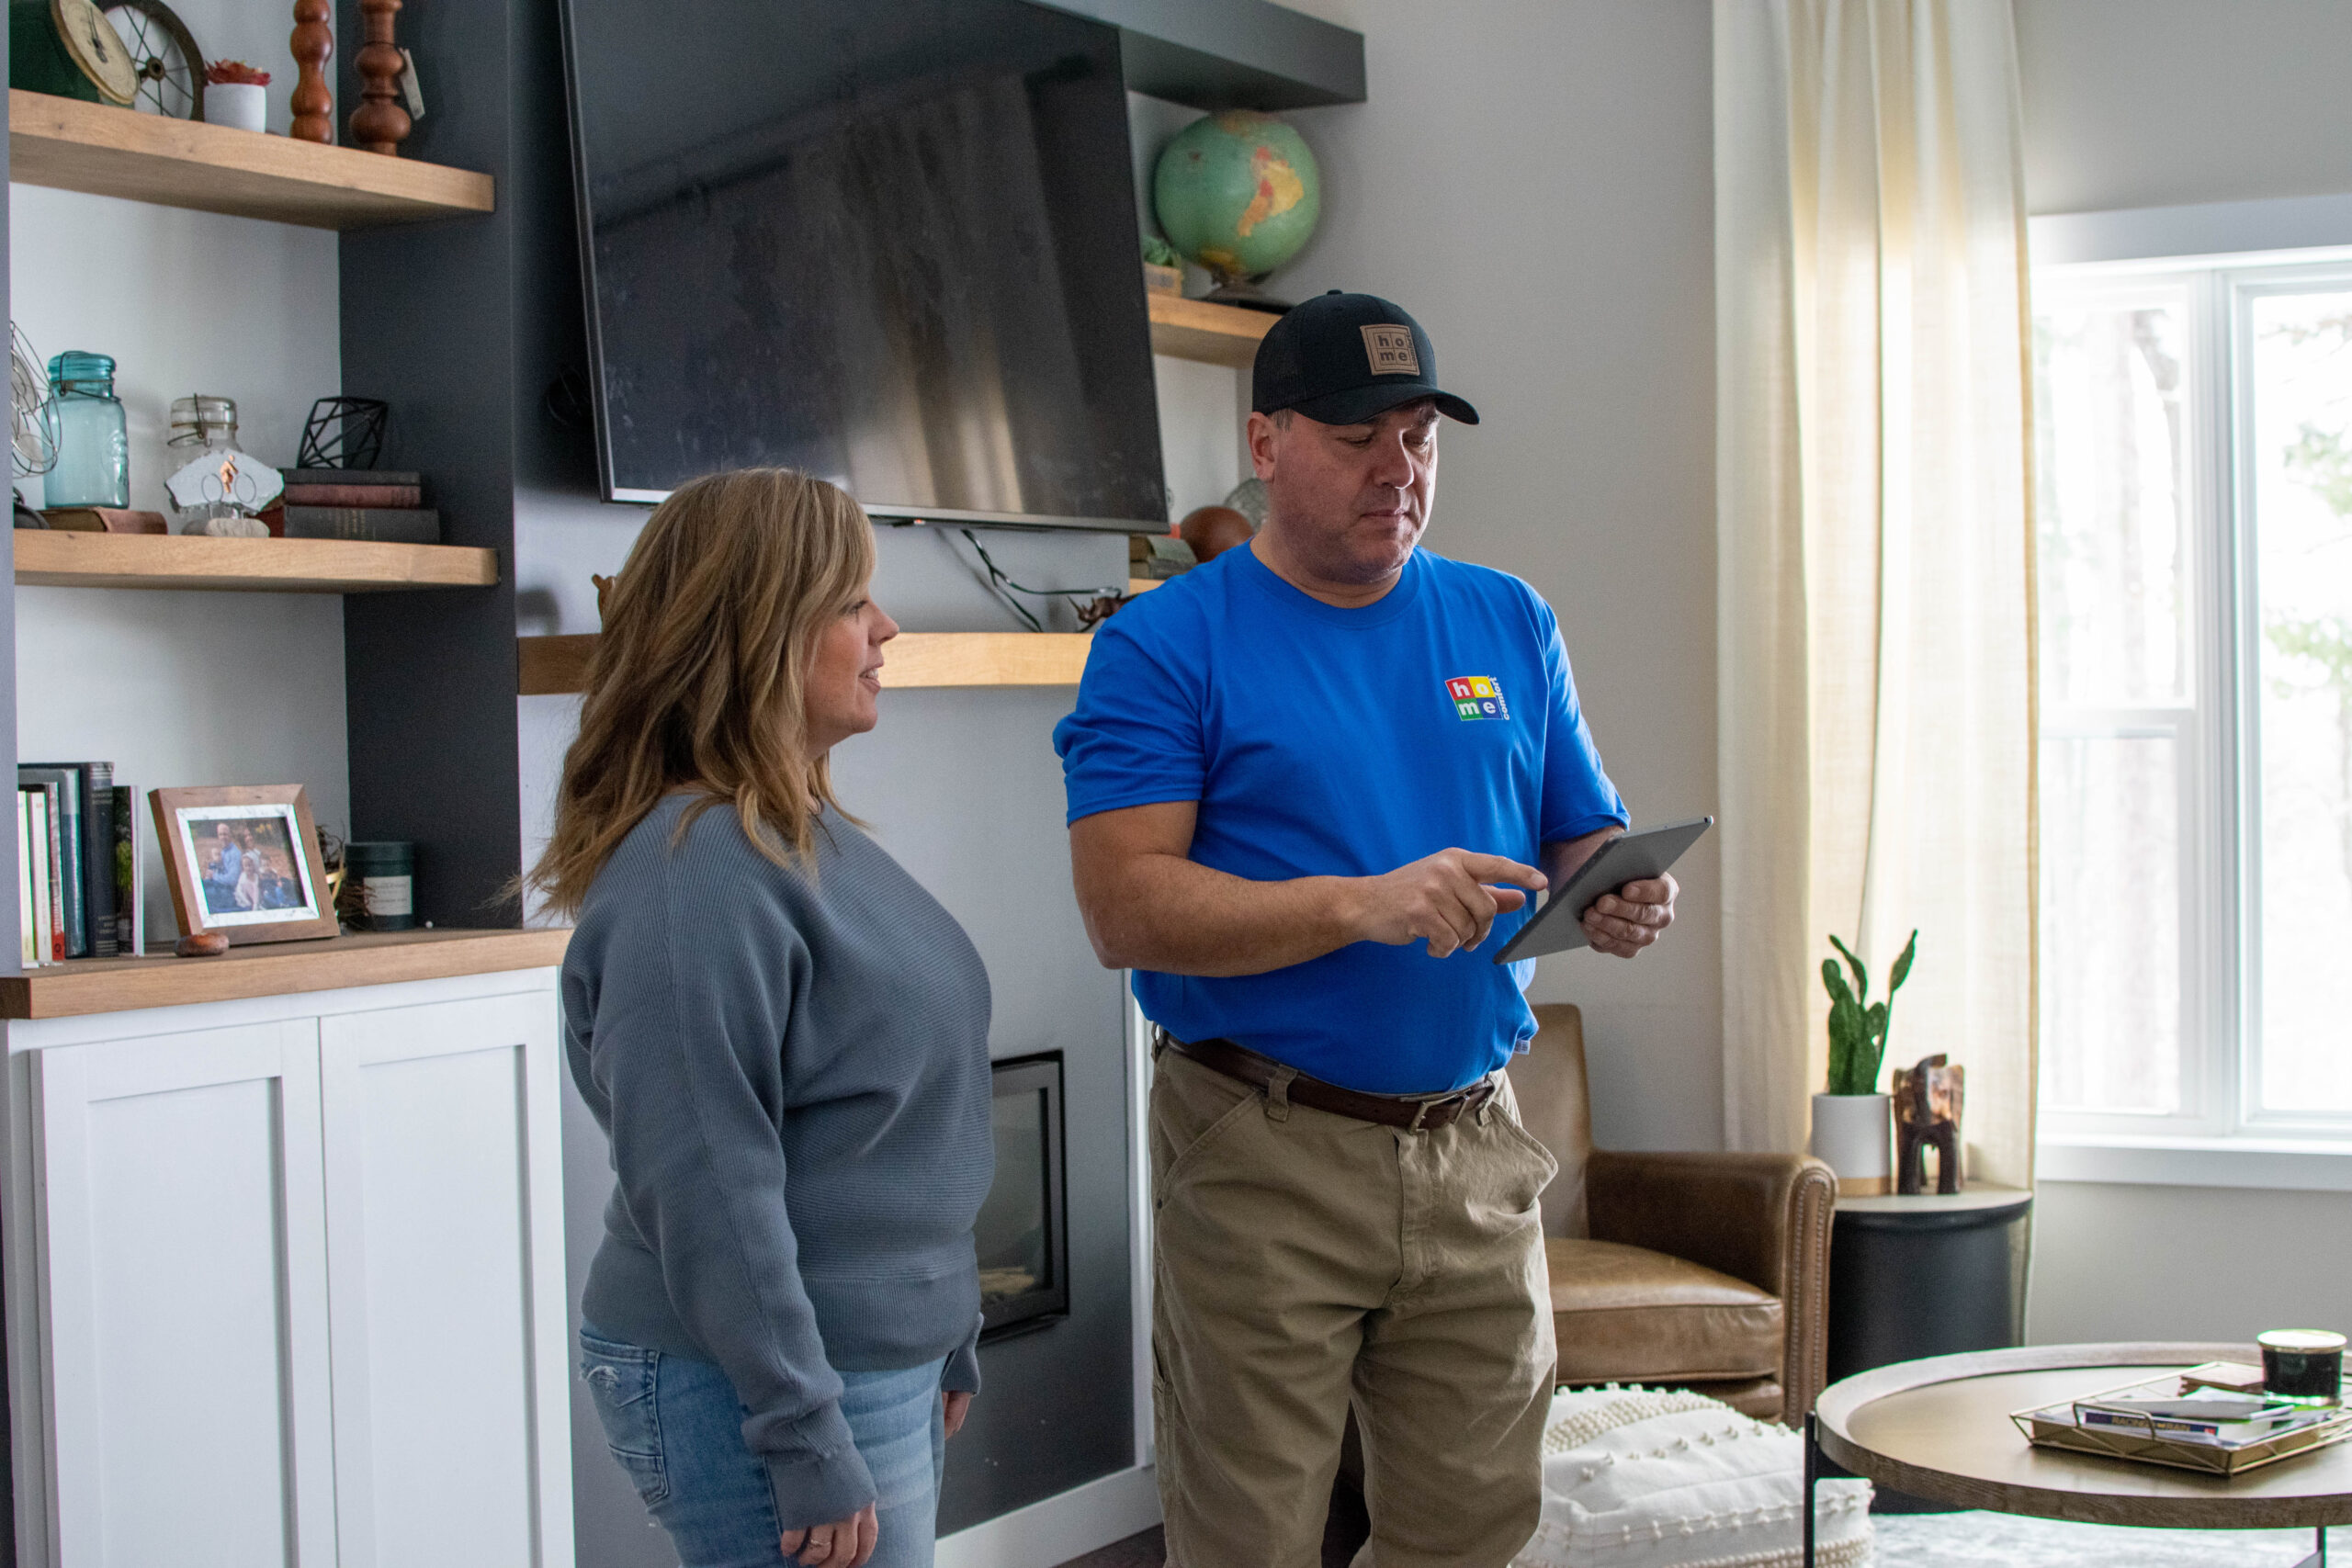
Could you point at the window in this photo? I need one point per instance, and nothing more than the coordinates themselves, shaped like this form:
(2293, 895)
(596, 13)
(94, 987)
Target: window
(2194, 564)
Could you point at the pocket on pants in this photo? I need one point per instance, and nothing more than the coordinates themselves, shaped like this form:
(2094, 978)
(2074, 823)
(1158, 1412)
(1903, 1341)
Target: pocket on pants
(623, 1382)
(1505, 1110)
(1188, 1118)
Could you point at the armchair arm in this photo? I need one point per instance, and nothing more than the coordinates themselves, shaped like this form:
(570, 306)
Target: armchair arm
(1759, 1218)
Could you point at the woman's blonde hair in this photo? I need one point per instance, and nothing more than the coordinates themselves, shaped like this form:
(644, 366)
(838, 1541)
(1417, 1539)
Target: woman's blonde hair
(700, 681)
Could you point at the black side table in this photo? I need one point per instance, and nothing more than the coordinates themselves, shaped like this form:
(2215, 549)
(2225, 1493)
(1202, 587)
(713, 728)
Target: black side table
(1931, 1275)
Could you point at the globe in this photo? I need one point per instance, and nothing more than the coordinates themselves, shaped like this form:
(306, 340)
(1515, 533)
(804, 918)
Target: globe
(1238, 192)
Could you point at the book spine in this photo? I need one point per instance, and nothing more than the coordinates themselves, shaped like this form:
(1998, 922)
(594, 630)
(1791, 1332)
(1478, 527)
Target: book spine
(28, 949)
(65, 824)
(62, 788)
(384, 525)
(125, 862)
(355, 495)
(52, 885)
(372, 478)
(97, 858)
(37, 866)
(2165, 1426)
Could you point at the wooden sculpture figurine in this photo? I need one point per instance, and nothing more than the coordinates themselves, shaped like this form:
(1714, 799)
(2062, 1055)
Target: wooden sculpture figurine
(1926, 1115)
(379, 124)
(312, 42)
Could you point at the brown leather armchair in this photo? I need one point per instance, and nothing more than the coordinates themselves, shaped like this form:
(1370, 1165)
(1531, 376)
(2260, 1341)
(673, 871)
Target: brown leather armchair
(1706, 1272)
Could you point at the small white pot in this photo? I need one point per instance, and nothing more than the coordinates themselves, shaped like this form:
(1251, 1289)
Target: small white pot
(1853, 1134)
(241, 105)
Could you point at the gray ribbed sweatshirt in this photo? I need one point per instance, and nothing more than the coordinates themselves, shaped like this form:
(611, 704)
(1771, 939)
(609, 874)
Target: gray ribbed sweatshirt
(794, 1074)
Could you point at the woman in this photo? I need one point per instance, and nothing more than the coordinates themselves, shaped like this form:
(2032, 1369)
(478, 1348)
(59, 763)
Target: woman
(786, 1039)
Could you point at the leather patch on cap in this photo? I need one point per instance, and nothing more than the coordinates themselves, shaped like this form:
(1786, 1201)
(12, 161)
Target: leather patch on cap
(1390, 349)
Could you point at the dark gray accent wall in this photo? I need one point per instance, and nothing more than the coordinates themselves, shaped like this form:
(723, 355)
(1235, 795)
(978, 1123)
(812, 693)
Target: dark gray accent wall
(428, 325)
(1228, 54)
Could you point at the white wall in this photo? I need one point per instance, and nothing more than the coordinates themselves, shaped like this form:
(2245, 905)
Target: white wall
(1532, 179)
(183, 688)
(2158, 102)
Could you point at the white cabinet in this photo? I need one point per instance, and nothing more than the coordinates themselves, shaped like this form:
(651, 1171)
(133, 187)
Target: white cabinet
(289, 1289)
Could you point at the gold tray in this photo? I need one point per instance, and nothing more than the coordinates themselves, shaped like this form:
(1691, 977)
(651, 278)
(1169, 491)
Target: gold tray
(2147, 1448)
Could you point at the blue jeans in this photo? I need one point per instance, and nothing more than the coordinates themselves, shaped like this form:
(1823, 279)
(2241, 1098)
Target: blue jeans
(674, 1424)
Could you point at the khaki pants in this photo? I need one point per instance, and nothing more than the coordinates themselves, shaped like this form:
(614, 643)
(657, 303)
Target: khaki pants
(1304, 1261)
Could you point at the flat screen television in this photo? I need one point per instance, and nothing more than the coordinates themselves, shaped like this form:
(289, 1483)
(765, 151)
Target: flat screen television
(891, 242)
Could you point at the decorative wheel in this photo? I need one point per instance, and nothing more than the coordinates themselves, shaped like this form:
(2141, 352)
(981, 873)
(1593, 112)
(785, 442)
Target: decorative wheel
(163, 52)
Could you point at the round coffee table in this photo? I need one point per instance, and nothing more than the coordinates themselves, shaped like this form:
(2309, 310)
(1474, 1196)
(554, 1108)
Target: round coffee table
(1940, 1428)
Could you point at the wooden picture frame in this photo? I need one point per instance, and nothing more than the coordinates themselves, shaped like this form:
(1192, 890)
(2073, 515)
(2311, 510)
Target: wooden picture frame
(243, 860)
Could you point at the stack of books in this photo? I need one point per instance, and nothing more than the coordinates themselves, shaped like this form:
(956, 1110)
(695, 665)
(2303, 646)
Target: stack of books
(359, 504)
(78, 863)
(2209, 1418)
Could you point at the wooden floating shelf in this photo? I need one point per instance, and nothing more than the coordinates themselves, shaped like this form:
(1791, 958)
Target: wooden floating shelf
(556, 666)
(103, 151)
(83, 985)
(49, 559)
(1214, 335)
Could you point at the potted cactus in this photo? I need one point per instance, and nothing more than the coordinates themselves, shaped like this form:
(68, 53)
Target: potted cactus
(1852, 1127)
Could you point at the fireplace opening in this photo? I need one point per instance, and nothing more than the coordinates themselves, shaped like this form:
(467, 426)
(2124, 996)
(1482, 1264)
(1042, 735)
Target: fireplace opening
(1022, 1232)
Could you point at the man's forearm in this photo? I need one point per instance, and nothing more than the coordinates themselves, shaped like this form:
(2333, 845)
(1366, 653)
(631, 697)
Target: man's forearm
(1179, 917)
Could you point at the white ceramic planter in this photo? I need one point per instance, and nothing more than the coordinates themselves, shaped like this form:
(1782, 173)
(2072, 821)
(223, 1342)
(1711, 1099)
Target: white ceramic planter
(1854, 1136)
(241, 105)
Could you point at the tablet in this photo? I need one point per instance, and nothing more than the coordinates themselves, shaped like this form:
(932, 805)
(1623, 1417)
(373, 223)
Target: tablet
(1630, 857)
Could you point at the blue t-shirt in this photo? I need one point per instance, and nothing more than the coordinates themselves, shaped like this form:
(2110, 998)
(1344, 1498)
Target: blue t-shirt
(1322, 741)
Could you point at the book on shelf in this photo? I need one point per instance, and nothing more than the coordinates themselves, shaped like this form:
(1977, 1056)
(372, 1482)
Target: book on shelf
(398, 478)
(129, 875)
(47, 925)
(401, 526)
(82, 806)
(28, 955)
(397, 496)
(64, 785)
(104, 520)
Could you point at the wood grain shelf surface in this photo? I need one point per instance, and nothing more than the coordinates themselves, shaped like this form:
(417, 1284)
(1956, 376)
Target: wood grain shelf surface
(84, 986)
(47, 558)
(1214, 335)
(556, 666)
(104, 151)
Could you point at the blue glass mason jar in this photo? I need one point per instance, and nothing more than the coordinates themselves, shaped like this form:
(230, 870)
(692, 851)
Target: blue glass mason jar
(85, 420)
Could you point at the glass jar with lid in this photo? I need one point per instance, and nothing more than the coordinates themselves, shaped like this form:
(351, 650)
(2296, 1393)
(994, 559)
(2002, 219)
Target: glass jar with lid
(85, 421)
(214, 484)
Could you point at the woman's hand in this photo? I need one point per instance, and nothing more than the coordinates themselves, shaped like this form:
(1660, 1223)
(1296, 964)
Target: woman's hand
(844, 1543)
(953, 1406)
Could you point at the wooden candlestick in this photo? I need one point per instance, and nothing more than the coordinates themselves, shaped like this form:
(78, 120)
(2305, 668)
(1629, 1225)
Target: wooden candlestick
(379, 124)
(312, 42)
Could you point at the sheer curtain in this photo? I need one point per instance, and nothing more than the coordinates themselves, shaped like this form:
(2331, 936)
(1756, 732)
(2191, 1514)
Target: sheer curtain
(1874, 597)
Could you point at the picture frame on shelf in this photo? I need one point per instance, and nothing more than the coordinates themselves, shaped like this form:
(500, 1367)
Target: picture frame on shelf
(243, 860)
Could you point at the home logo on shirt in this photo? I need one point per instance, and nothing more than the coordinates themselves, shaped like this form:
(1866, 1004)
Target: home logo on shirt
(1478, 696)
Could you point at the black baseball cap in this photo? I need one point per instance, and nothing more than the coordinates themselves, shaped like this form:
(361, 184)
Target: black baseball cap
(1345, 358)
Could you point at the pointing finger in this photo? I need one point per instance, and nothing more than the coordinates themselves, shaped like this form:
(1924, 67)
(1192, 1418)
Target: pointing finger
(1495, 868)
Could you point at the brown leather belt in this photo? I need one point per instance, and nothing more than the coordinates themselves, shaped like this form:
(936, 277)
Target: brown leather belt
(1414, 1112)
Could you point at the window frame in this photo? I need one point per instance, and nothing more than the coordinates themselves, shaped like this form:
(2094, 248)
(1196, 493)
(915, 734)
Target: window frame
(2244, 285)
(2218, 753)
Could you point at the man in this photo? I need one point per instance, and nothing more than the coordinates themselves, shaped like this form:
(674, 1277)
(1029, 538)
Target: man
(1308, 781)
(228, 868)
